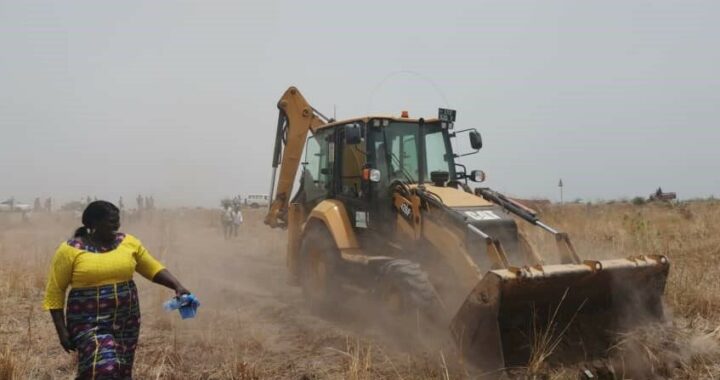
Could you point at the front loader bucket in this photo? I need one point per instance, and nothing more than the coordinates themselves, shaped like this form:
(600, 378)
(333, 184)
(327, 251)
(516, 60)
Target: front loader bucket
(498, 324)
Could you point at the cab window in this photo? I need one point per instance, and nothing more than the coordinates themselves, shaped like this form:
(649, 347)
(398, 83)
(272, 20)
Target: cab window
(353, 158)
(318, 167)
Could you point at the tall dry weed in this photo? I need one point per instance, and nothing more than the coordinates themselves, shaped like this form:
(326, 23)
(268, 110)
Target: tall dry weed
(358, 359)
(545, 339)
(242, 370)
(7, 364)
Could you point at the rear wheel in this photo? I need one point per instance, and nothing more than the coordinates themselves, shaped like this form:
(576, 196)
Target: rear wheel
(319, 269)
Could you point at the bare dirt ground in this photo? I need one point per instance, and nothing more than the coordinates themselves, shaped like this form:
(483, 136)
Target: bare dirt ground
(253, 325)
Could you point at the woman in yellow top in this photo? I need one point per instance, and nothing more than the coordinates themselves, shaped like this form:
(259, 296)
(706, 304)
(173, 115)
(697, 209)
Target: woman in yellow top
(101, 320)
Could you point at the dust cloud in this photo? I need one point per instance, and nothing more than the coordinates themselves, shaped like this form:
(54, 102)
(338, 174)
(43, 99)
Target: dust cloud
(243, 286)
(251, 322)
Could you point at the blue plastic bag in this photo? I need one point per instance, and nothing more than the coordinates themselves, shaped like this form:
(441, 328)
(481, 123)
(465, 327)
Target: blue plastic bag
(186, 304)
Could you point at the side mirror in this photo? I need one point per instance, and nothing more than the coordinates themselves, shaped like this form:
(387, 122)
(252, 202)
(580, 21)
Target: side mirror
(475, 140)
(477, 176)
(353, 134)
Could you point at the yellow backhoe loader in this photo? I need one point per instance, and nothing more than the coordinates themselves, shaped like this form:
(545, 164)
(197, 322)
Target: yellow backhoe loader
(383, 205)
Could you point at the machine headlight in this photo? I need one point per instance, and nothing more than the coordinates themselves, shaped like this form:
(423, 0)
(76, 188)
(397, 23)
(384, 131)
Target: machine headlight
(477, 176)
(374, 175)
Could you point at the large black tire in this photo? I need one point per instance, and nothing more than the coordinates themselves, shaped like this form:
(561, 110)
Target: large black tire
(406, 291)
(319, 265)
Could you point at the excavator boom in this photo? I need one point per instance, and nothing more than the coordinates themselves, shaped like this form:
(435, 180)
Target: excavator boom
(296, 118)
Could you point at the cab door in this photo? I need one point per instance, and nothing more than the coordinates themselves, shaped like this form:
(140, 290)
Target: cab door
(351, 188)
(318, 168)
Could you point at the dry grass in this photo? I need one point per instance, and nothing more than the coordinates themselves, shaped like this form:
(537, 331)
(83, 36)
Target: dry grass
(7, 364)
(688, 234)
(358, 358)
(253, 326)
(546, 338)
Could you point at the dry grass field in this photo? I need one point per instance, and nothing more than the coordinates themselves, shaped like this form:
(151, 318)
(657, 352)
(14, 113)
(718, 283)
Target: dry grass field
(252, 325)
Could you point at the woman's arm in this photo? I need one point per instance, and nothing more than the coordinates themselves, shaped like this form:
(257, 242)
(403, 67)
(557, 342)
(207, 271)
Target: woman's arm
(165, 278)
(58, 317)
(54, 300)
(153, 270)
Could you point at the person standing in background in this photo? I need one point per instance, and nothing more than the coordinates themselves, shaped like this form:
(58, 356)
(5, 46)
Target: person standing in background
(227, 222)
(237, 220)
(121, 206)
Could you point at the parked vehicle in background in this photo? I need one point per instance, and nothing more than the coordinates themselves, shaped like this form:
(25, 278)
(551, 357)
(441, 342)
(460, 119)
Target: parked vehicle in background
(256, 200)
(11, 205)
(660, 195)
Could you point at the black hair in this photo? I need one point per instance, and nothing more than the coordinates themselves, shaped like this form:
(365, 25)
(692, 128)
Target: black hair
(95, 212)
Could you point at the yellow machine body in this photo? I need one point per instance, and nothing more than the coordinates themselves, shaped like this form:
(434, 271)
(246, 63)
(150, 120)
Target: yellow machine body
(493, 285)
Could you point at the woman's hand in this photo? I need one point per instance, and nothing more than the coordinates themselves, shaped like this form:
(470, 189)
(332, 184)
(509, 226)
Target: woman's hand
(58, 317)
(65, 341)
(180, 290)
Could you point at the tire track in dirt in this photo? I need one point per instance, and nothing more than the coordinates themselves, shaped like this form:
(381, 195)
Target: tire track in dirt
(245, 280)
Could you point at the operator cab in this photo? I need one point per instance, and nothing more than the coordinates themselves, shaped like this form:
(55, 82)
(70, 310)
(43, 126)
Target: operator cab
(394, 149)
(373, 154)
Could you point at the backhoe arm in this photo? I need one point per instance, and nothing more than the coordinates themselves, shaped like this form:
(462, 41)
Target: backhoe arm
(296, 118)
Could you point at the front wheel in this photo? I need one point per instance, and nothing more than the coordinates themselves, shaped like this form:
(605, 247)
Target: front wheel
(406, 291)
(319, 269)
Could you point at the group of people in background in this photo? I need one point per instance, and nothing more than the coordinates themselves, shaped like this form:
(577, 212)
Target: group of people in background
(42, 207)
(231, 217)
(144, 203)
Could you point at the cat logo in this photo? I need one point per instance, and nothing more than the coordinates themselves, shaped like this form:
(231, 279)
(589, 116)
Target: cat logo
(406, 211)
(482, 215)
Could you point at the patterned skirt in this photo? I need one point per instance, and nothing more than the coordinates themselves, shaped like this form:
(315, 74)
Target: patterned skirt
(104, 324)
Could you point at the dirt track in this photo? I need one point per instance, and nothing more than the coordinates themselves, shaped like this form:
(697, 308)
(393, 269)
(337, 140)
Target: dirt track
(246, 299)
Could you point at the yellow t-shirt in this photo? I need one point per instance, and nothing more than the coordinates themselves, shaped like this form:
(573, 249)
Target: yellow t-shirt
(79, 268)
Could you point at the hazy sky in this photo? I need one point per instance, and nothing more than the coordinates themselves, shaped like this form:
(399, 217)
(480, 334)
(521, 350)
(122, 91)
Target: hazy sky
(178, 99)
